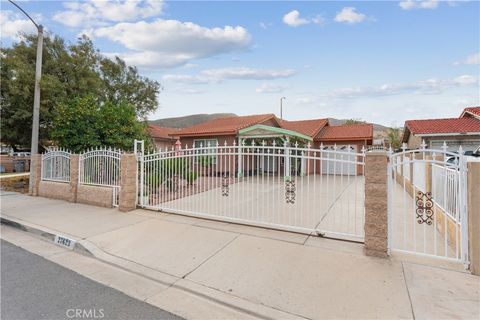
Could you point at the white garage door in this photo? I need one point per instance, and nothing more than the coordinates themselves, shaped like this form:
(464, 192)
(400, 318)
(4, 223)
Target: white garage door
(341, 163)
(453, 145)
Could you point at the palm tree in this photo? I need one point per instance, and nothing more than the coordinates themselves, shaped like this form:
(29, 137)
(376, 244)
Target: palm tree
(395, 137)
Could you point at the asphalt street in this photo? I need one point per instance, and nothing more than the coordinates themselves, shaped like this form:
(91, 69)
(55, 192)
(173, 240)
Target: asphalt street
(35, 288)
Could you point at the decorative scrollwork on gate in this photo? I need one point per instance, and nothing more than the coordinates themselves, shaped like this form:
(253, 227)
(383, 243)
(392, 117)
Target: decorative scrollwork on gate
(225, 186)
(290, 191)
(424, 207)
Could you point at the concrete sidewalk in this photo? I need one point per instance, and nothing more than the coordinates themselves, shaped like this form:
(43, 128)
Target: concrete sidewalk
(204, 269)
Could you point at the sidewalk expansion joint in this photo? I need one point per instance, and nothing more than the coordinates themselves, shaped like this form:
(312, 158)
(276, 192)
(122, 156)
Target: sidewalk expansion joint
(408, 291)
(246, 299)
(211, 256)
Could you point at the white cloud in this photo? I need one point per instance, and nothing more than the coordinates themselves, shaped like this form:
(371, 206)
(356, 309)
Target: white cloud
(306, 100)
(318, 20)
(265, 25)
(190, 66)
(271, 88)
(190, 91)
(248, 73)
(430, 86)
(465, 80)
(170, 43)
(222, 74)
(11, 24)
(471, 59)
(418, 4)
(186, 78)
(99, 12)
(350, 16)
(293, 19)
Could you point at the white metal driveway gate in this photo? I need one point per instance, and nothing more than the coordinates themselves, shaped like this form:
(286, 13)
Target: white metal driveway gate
(268, 185)
(428, 204)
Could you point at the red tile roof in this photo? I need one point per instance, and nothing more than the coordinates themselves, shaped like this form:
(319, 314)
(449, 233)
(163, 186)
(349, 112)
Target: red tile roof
(225, 126)
(346, 132)
(307, 127)
(435, 126)
(161, 132)
(472, 111)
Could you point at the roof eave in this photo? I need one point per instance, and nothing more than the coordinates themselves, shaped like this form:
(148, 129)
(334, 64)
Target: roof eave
(206, 134)
(438, 134)
(344, 139)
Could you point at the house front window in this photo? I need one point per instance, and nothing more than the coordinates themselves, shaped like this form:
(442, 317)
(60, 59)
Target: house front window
(207, 147)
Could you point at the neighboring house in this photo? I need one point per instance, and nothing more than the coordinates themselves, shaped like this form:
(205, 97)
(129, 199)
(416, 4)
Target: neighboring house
(455, 132)
(162, 137)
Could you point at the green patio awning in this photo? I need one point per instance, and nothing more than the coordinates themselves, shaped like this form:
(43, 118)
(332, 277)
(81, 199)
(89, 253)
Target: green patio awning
(263, 131)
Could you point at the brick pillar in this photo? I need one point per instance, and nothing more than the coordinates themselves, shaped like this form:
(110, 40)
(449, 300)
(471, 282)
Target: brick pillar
(35, 174)
(74, 158)
(128, 182)
(473, 202)
(376, 205)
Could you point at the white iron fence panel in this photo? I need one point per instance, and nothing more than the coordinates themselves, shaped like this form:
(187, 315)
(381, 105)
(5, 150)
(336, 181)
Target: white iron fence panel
(427, 211)
(56, 165)
(101, 167)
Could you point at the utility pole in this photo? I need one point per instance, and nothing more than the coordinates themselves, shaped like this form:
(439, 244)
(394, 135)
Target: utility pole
(281, 107)
(36, 95)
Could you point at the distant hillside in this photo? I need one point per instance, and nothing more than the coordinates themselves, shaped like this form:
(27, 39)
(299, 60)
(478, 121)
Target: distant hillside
(337, 122)
(188, 121)
(379, 131)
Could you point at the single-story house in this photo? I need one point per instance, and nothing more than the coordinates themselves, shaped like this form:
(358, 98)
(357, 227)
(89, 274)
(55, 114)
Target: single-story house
(316, 132)
(455, 132)
(265, 126)
(162, 137)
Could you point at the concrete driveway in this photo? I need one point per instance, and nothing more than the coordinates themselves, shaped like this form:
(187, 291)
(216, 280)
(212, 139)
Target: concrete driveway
(332, 204)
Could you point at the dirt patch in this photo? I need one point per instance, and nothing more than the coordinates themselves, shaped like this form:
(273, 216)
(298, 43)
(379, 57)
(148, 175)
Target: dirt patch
(17, 184)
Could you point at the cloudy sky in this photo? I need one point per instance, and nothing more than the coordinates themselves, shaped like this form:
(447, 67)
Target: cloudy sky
(380, 61)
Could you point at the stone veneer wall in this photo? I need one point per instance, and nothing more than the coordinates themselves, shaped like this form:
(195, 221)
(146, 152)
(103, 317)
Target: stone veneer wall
(56, 190)
(95, 195)
(73, 191)
(376, 205)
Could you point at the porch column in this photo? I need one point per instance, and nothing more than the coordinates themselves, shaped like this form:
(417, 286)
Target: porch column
(240, 158)
(286, 156)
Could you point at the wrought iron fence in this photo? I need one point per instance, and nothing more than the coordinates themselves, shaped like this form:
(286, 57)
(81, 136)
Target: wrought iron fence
(100, 167)
(56, 165)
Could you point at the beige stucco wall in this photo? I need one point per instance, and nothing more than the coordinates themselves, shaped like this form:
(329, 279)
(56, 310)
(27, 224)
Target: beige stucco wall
(163, 143)
(414, 142)
(95, 195)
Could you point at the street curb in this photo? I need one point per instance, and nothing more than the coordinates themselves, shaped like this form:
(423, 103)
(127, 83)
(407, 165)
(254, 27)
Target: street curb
(25, 227)
(235, 304)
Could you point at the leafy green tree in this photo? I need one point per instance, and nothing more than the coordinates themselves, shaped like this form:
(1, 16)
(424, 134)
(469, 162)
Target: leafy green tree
(85, 123)
(68, 71)
(354, 121)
